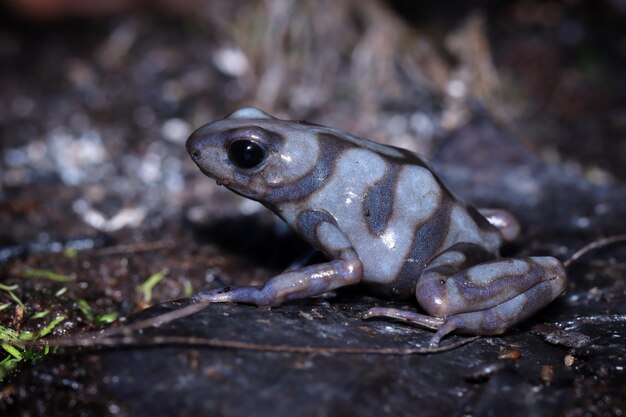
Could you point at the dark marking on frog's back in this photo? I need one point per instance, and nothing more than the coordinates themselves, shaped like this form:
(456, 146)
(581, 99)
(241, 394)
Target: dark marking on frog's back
(428, 241)
(330, 148)
(379, 200)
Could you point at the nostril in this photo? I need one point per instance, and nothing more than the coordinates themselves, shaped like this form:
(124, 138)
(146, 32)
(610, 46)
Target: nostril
(195, 154)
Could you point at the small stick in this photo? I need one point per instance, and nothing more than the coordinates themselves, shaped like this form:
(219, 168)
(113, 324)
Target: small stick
(131, 340)
(592, 246)
(108, 338)
(126, 330)
(130, 248)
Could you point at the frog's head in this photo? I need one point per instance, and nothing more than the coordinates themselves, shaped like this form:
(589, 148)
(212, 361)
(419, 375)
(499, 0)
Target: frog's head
(255, 154)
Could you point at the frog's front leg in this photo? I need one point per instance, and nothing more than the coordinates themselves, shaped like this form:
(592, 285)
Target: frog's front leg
(345, 269)
(464, 291)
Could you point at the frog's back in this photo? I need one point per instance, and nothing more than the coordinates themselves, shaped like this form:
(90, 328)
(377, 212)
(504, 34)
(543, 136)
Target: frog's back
(396, 212)
(405, 217)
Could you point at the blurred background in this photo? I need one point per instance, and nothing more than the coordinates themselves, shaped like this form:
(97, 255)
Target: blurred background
(101, 95)
(98, 97)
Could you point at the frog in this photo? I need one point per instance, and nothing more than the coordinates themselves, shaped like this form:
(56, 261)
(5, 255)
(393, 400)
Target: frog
(382, 218)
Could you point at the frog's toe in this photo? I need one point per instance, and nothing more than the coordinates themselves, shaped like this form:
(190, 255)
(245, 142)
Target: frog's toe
(372, 312)
(218, 295)
(405, 316)
(451, 324)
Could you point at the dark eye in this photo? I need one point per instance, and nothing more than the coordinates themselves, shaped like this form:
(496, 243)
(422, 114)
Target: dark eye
(246, 153)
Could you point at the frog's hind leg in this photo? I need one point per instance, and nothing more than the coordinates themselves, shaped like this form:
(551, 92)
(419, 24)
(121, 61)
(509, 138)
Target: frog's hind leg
(471, 293)
(456, 258)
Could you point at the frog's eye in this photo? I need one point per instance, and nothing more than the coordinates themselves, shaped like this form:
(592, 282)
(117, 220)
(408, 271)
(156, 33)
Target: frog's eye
(244, 153)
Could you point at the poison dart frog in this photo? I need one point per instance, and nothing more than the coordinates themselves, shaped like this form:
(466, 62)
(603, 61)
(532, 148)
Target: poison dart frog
(382, 218)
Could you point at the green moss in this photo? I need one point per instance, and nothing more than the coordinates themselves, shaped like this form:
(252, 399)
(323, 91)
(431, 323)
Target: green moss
(149, 284)
(16, 352)
(47, 274)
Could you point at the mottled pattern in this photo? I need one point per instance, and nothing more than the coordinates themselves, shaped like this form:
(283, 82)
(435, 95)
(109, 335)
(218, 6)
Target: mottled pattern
(306, 185)
(382, 217)
(426, 240)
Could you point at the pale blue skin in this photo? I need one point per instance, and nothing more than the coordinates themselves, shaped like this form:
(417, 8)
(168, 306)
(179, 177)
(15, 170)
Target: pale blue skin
(382, 218)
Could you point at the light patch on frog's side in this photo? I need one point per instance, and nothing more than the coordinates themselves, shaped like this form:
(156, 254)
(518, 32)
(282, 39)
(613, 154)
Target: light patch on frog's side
(342, 194)
(331, 238)
(417, 196)
(486, 273)
(298, 156)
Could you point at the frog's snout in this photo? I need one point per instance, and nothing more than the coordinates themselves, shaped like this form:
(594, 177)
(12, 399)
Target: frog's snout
(203, 153)
(195, 146)
(195, 154)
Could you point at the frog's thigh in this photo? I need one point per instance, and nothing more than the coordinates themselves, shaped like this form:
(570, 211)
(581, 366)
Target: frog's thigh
(345, 269)
(456, 258)
(490, 297)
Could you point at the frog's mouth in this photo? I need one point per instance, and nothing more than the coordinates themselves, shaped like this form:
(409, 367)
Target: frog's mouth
(248, 193)
(206, 171)
(204, 164)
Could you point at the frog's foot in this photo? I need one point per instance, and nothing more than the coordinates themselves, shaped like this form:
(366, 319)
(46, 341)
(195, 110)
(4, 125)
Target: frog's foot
(443, 326)
(262, 297)
(228, 295)
(405, 316)
(271, 294)
(307, 282)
